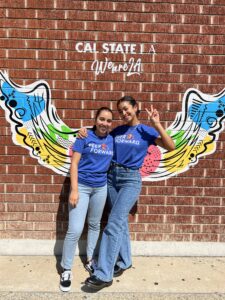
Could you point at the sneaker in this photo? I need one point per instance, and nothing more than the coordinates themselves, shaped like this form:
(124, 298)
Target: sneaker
(65, 281)
(91, 266)
(95, 283)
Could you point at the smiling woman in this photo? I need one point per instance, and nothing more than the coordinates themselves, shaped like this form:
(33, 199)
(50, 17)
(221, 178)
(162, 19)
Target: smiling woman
(131, 142)
(103, 121)
(90, 162)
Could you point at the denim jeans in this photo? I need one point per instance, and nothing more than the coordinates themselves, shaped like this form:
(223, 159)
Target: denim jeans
(124, 186)
(91, 202)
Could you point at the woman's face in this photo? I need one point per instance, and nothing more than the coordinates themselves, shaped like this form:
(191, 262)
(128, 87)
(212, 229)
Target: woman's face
(127, 111)
(103, 122)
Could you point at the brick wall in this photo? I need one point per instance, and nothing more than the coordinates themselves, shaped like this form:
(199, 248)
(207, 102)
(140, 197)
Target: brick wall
(37, 41)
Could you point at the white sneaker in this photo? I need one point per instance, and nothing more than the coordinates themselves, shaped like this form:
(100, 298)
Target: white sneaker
(91, 266)
(65, 281)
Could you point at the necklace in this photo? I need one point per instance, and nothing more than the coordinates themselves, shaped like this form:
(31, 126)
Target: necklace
(130, 135)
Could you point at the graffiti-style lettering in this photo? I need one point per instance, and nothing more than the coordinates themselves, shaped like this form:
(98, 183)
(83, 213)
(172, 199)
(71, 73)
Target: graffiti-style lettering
(99, 67)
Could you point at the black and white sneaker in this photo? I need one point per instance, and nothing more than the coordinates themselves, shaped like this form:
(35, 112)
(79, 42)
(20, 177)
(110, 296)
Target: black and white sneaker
(91, 266)
(65, 281)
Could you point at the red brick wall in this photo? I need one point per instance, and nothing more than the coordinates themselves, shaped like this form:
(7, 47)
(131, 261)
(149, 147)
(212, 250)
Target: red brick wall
(37, 41)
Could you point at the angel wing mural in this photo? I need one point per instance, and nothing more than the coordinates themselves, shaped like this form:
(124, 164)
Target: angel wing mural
(36, 126)
(195, 131)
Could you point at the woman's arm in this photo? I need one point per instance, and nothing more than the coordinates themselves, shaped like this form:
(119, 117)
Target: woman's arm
(82, 133)
(74, 195)
(164, 140)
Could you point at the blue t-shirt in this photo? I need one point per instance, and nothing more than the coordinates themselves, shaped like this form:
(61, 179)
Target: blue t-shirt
(131, 144)
(96, 154)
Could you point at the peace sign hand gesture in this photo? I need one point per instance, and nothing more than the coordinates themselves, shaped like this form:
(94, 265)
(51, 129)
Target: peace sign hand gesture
(153, 115)
(164, 140)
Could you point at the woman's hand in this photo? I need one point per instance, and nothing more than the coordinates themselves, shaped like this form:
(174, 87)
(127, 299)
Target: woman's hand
(153, 115)
(164, 140)
(82, 133)
(73, 198)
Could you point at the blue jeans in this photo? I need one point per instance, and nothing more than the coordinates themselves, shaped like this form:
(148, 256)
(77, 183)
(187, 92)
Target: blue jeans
(124, 186)
(91, 202)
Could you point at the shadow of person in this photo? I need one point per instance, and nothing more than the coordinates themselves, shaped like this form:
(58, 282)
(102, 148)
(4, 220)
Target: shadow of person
(134, 209)
(61, 222)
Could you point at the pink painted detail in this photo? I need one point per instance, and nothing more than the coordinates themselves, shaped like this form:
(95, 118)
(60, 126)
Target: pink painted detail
(151, 161)
(70, 151)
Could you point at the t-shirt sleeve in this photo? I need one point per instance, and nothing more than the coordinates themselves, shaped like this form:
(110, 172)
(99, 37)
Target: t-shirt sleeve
(154, 133)
(78, 146)
(151, 134)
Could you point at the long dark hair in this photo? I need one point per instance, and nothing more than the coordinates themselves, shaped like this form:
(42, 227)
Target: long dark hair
(131, 101)
(98, 113)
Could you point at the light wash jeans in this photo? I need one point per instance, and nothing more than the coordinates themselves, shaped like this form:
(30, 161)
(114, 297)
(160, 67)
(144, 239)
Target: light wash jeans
(124, 186)
(91, 202)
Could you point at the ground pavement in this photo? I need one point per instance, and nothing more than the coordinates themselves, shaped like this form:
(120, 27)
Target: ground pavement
(170, 278)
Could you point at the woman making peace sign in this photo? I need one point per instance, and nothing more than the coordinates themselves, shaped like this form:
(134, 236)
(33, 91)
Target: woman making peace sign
(131, 142)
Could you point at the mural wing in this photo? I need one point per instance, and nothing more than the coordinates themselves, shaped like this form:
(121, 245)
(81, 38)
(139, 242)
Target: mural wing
(35, 124)
(194, 131)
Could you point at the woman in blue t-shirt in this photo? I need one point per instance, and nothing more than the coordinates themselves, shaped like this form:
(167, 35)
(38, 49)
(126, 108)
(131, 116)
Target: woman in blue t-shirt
(90, 162)
(131, 142)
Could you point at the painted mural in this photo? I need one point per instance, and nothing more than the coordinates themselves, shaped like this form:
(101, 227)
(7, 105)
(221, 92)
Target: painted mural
(36, 126)
(194, 131)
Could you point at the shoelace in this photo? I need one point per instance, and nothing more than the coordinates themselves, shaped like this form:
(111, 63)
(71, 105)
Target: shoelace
(92, 264)
(66, 276)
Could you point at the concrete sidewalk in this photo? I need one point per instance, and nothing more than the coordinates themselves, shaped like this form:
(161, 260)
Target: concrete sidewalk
(36, 277)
